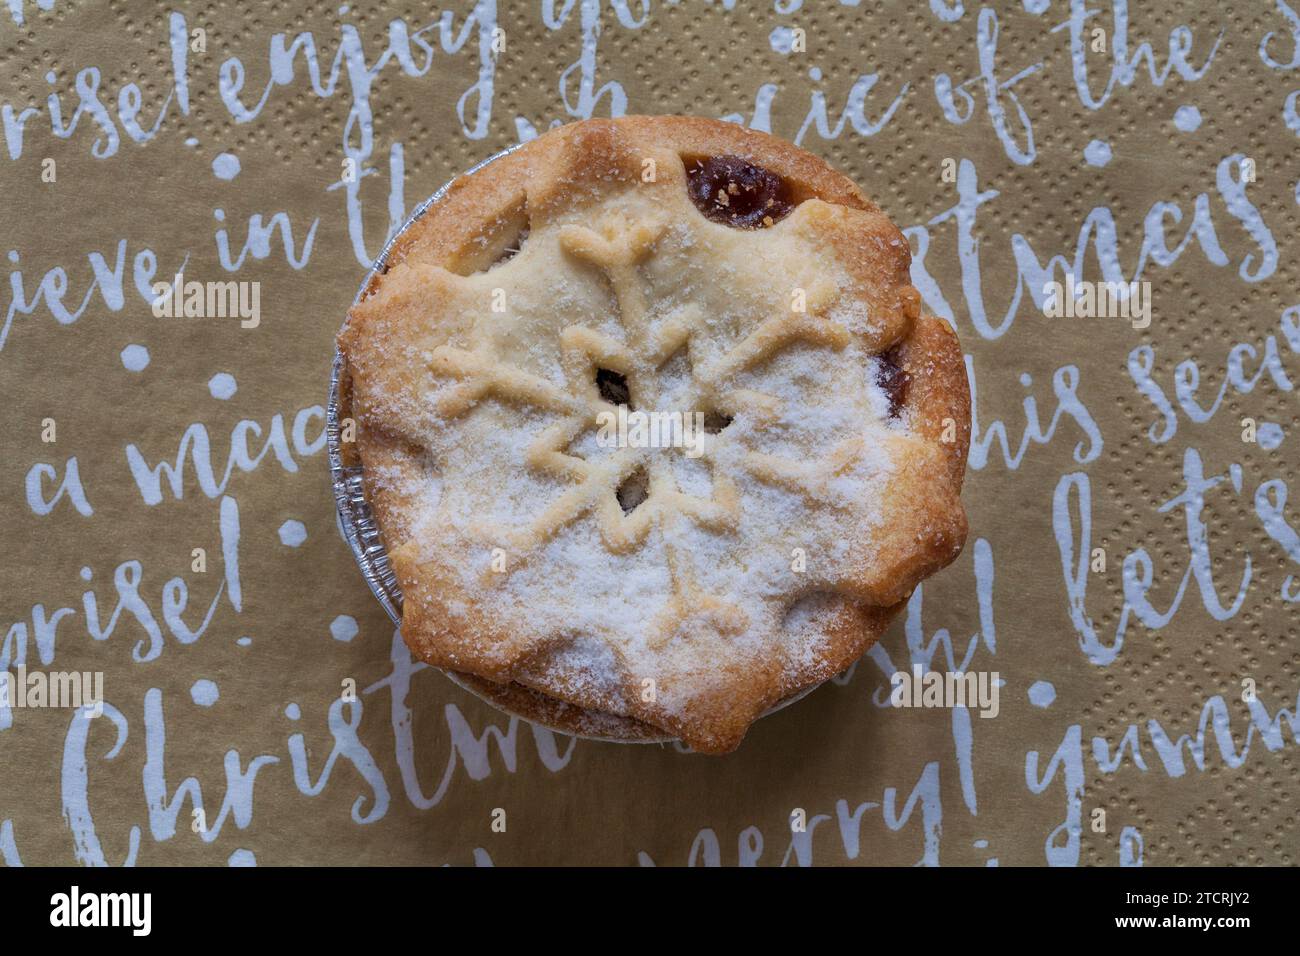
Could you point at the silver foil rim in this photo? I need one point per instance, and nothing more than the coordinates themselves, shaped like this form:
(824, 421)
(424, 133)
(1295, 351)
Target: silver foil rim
(358, 524)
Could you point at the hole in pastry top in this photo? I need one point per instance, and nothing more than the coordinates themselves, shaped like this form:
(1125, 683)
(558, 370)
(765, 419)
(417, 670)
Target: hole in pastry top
(511, 250)
(738, 193)
(715, 421)
(613, 387)
(634, 489)
(893, 380)
(501, 240)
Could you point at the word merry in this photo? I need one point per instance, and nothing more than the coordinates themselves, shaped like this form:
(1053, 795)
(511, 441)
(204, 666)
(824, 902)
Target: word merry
(209, 300)
(624, 429)
(895, 811)
(922, 688)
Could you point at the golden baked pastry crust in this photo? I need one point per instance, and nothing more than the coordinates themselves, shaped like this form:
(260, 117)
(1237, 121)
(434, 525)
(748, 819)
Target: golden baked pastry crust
(722, 584)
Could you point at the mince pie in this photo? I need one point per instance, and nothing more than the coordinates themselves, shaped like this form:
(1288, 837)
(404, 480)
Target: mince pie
(653, 426)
